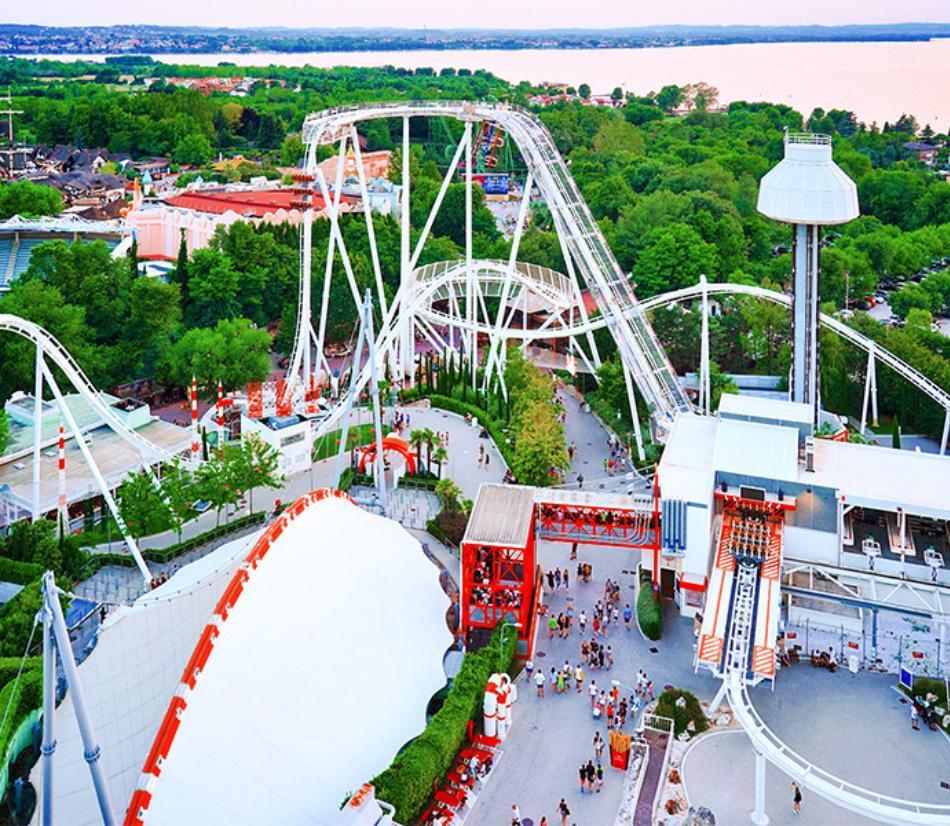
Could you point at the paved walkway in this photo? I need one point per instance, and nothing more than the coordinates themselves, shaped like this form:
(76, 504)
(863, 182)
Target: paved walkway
(853, 725)
(551, 736)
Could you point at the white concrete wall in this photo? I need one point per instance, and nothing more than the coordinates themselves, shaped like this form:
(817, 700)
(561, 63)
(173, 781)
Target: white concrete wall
(811, 546)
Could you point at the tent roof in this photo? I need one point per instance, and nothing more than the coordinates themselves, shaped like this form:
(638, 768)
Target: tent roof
(320, 673)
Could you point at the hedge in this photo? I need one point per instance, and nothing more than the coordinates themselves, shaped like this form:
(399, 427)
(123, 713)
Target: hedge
(682, 715)
(349, 478)
(20, 573)
(97, 561)
(409, 781)
(649, 611)
(492, 425)
(24, 697)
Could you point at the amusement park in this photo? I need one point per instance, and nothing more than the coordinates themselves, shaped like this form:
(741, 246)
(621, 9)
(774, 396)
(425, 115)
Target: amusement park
(420, 574)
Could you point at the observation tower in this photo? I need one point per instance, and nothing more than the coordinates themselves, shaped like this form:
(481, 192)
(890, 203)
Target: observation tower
(808, 190)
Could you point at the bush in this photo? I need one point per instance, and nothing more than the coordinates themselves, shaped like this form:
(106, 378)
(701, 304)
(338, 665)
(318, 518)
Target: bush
(12, 570)
(649, 611)
(682, 715)
(409, 781)
(452, 524)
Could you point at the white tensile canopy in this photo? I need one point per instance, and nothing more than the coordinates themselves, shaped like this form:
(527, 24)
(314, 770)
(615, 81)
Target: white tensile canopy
(320, 673)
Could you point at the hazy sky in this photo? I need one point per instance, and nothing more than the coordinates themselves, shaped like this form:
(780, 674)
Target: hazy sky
(473, 13)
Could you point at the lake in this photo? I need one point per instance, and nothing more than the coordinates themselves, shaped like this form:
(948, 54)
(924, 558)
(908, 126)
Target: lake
(877, 81)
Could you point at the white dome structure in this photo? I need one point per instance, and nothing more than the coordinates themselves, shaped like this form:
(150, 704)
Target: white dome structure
(808, 187)
(264, 682)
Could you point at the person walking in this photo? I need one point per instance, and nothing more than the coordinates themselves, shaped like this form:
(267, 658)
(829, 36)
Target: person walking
(579, 677)
(567, 579)
(557, 577)
(796, 798)
(600, 777)
(627, 614)
(539, 681)
(914, 717)
(598, 745)
(591, 774)
(593, 693)
(552, 626)
(582, 774)
(563, 811)
(515, 815)
(582, 622)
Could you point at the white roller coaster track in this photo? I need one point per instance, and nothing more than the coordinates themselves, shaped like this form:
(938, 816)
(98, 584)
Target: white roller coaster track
(59, 355)
(870, 804)
(640, 350)
(428, 291)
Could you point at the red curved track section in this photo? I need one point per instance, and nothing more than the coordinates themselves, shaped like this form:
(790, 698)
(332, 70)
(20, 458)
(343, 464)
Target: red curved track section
(390, 442)
(151, 771)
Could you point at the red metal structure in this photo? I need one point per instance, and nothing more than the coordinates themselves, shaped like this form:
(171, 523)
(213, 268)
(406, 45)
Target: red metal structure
(390, 442)
(500, 574)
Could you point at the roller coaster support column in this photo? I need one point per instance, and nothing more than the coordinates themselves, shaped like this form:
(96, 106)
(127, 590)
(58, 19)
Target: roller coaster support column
(705, 402)
(96, 474)
(470, 309)
(632, 401)
(759, 817)
(91, 749)
(870, 390)
(406, 347)
(48, 746)
(37, 430)
(946, 433)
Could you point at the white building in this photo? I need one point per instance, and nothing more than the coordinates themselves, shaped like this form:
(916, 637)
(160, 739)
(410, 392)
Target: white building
(290, 436)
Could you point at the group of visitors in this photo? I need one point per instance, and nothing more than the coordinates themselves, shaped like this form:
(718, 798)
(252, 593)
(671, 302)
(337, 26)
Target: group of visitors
(484, 457)
(619, 456)
(563, 810)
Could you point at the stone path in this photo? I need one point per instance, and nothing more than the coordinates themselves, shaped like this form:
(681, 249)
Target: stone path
(657, 742)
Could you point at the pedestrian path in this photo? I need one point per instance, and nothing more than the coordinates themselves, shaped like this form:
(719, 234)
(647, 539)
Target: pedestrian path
(551, 736)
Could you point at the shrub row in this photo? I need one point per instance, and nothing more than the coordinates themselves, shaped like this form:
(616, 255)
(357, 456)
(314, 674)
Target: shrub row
(409, 781)
(20, 573)
(649, 611)
(97, 561)
(418, 482)
(493, 426)
(350, 477)
(23, 697)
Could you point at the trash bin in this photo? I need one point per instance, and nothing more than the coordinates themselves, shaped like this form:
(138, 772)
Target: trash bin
(853, 663)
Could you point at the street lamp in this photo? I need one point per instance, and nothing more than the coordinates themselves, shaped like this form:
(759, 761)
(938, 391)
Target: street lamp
(501, 639)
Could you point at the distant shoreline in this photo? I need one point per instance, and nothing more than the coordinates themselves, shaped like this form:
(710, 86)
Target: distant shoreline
(52, 54)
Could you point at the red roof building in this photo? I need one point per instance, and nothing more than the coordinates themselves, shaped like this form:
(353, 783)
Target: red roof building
(248, 204)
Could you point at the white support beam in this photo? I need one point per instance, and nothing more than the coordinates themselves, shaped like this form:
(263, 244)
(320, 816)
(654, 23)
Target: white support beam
(469, 275)
(328, 266)
(368, 212)
(509, 273)
(450, 173)
(632, 401)
(37, 429)
(96, 473)
(333, 216)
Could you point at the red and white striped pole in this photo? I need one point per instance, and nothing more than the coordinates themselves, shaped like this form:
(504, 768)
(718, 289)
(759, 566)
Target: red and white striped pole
(220, 421)
(63, 513)
(195, 446)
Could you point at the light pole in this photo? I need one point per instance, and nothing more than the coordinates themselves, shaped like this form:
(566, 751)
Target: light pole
(501, 639)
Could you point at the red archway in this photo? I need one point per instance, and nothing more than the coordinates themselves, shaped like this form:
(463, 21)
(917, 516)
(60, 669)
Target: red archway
(390, 442)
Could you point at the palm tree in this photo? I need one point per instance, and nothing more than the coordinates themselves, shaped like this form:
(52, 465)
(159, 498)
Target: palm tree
(416, 439)
(429, 437)
(440, 455)
(450, 494)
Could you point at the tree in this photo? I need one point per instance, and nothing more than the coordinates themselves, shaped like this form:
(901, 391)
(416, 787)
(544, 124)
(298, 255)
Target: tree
(895, 434)
(539, 444)
(291, 150)
(719, 383)
(194, 149)
(233, 351)
(4, 432)
(178, 491)
(213, 288)
(619, 139)
(215, 482)
(34, 542)
(450, 220)
(450, 495)
(669, 97)
(617, 93)
(28, 200)
(584, 91)
(141, 506)
(908, 297)
(440, 455)
(674, 257)
(154, 314)
(270, 130)
(256, 465)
